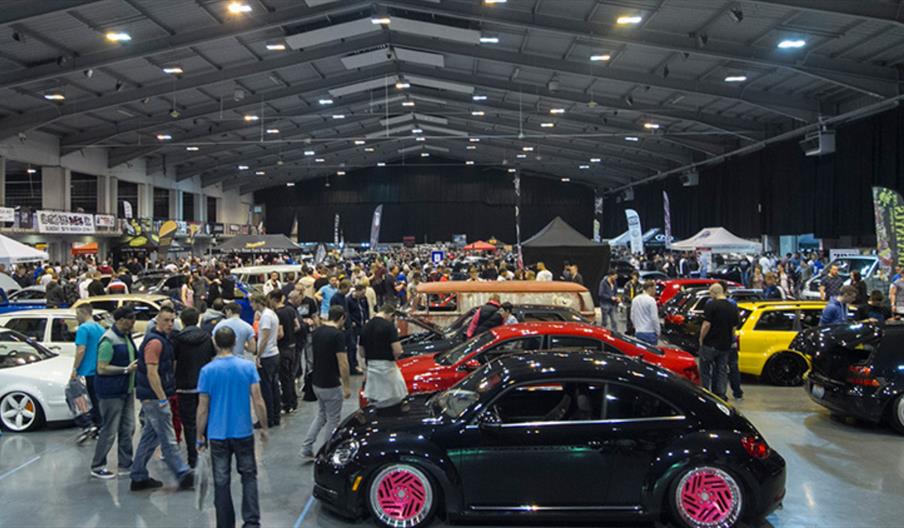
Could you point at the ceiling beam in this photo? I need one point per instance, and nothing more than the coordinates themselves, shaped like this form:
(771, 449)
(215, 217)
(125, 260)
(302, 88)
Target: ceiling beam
(799, 109)
(233, 27)
(869, 10)
(11, 125)
(876, 81)
(25, 10)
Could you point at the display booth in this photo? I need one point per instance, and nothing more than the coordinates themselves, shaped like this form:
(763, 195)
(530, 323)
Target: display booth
(480, 245)
(14, 252)
(558, 243)
(717, 240)
(258, 244)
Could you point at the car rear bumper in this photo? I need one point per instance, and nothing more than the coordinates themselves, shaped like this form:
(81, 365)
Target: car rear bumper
(846, 399)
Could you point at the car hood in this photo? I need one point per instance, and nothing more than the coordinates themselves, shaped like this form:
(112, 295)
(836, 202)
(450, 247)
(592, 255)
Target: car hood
(415, 367)
(411, 415)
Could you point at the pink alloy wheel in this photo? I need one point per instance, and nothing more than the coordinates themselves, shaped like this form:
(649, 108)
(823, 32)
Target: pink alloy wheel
(708, 497)
(401, 496)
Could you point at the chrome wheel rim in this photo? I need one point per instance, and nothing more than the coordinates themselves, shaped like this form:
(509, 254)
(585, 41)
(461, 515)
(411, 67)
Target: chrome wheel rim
(18, 411)
(401, 496)
(708, 497)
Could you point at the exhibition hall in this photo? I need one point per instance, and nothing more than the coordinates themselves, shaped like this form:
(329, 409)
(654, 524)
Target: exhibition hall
(411, 263)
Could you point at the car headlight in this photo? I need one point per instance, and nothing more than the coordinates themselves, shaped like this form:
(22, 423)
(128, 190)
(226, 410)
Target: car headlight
(344, 453)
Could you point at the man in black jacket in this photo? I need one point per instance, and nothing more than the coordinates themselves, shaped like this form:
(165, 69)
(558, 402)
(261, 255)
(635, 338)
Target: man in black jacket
(487, 316)
(193, 349)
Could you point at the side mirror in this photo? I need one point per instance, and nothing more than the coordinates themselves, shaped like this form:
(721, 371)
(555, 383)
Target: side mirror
(470, 365)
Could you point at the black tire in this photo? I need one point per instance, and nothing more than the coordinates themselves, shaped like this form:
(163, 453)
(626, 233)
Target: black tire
(414, 486)
(896, 414)
(713, 484)
(785, 369)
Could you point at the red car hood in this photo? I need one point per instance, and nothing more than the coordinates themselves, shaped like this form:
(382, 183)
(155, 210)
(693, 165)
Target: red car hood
(423, 374)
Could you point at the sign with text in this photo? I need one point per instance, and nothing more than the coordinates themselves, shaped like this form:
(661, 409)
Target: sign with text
(7, 214)
(61, 222)
(108, 221)
(437, 257)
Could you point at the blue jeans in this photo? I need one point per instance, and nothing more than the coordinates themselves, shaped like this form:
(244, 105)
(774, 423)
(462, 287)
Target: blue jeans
(607, 316)
(734, 375)
(713, 369)
(221, 452)
(157, 429)
(649, 337)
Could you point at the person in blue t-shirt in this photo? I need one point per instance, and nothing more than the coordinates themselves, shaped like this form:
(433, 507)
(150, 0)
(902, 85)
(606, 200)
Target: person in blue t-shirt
(87, 337)
(325, 295)
(227, 387)
(244, 332)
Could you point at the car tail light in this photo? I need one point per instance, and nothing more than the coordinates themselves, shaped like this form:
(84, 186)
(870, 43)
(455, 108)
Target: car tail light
(861, 375)
(755, 447)
(692, 374)
(675, 319)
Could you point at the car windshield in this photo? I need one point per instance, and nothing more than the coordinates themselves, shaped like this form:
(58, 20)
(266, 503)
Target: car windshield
(638, 343)
(454, 355)
(461, 396)
(17, 350)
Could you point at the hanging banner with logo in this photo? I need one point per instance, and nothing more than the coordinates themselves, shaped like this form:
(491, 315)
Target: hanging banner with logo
(375, 226)
(518, 220)
(634, 231)
(889, 210)
(7, 214)
(336, 229)
(667, 219)
(127, 209)
(60, 222)
(105, 221)
(293, 233)
(597, 215)
(165, 236)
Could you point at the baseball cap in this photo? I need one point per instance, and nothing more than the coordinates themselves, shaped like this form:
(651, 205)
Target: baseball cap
(123, 313)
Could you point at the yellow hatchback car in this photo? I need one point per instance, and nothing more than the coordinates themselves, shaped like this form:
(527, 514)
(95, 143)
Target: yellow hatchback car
(764, 339)
(145, 306)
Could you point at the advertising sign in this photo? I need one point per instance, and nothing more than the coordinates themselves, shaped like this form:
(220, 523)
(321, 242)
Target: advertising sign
(127, 209)
(635, 231)
(667, 219)
(889, 211)
(61, 222)
(841, 253)
(437, 257)
(7, 214)
(107, 221)
(375, 226)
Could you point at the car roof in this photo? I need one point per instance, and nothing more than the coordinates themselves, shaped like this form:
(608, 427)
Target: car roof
(681, 282)
(500, 287)
(44, 312)
(753, 305)
(576, 363)
(266, 269)
(153, 297)
(543, 328)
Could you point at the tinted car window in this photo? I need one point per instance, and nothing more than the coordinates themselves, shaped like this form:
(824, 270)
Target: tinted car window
(33, 327)
(548, 402)
(622, 402)
(460, 352)
(63, 330)
(575, 342)
(27, 295)
(810, 318)
(15, 352)
(143, 311)
(547, 317)
(512, 345)
(444, 302)
(776, 321)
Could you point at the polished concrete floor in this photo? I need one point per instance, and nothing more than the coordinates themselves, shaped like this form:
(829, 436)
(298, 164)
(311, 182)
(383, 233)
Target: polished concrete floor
(839, 475)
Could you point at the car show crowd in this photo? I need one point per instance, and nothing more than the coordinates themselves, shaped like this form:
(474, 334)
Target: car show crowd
(216, 358)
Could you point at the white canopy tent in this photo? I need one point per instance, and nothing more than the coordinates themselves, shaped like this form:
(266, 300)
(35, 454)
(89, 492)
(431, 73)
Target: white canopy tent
(14, 252)
(718, 240)
(624, 239)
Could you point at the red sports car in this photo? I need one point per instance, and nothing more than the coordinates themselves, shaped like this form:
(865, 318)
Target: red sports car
(429, 373)
(670, 288)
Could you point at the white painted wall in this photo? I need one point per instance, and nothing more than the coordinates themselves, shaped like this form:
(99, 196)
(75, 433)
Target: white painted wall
(42, 149)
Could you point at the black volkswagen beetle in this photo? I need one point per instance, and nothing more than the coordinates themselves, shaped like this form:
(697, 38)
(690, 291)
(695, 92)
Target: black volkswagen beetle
(553, 436)
(858, 370)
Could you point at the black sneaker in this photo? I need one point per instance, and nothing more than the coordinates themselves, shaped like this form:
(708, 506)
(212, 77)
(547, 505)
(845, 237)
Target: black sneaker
(141, 485)
(187, 482)
(102, 473)
(88, 432)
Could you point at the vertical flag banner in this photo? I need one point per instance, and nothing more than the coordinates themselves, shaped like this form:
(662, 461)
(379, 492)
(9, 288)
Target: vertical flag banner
(336, 230)
(667, 219)
(518, 220)
(597, 215)
(635, 231)
(293, 233)
(127, 209)
(375, 227)
(166, 234)
(889, 210)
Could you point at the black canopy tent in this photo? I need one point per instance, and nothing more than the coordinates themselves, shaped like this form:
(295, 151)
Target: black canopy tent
(258, 244)
(558, 243)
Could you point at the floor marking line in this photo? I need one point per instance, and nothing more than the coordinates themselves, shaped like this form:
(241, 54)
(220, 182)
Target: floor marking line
(24, 464)
(304, 512)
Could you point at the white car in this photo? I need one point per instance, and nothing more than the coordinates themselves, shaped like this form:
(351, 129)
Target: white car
(55, 329)
(32, 383)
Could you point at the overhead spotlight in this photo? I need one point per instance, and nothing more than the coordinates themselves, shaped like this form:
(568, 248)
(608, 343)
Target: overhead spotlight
(602, 57)
(243, 167)
(272, 131)
(557, 111)
(474, 140)
(309, 153)
(417, 131)
(175, 114)
(173, 70)
(402, 84)
(628, 20)
(494, 2)
(489, 40)
(736, 14)
(420, 138)
(521, 156)
(547, 125)
(114, 36)
(164, 137)
(88, 73)
(338, 116)
(408, 104)
(527, 149)
(369, 149)
(290, 184)
(237, 8)
(651, 126)
(276, 46)
(792, 44)
(478, 98)
(553, 85)
(381, 164)
(380, 20)
(478, 113)
(632, 138)
(512, 171)
(250, 118)
(54, 96)
(566, 180)
(471, 147)
(596, 160)
(340, 173)
(735, 78)
(469, 162)
(325, 102)
(319, 160)
(31, 171)
(260, 173)
(583, 167)
(192, 149)
(425, 154)
(360, 142)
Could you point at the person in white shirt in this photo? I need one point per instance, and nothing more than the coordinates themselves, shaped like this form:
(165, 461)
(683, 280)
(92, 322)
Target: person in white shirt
(267, 357)
(543, 274)
(83, 286)
(765, 264)
(273, 283)
(645, 314)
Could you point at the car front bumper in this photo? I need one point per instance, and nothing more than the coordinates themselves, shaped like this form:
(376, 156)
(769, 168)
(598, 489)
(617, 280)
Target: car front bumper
(335, 488)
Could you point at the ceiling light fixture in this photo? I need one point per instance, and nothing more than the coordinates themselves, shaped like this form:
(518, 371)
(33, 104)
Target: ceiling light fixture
(192, 149)
(249, 118)
(309, 153)
(632, 138)
(408, 103)
(290, 184)
(471, 147)
(340, 173)
(325, 102)
(479, 98)
(600, 58)
(319, 160)
(792, 44)
(164, 137)
(276, 46)
(420, 138)
(735, 78)
(31, 171)
(237, 8)
(425, 154)
(243, 167)
(273, 131)
(557, 111)
(118, 36)
(511, 171)
(595, 160)
(628, 20)
(360, 142)
(494, 2)
(338, 116)
(369, 149)
(54, 97)
(547, 125)
(489, 40)
(527, 149)
(474, 140)
(566, 180)
(469, 162)
(381, 164)
(173, 70)
(583, 167)
(417, 131)
(651, 126)
(478, 113)
(380, 20)
(521, 156)
(260, 173)
(402, 84)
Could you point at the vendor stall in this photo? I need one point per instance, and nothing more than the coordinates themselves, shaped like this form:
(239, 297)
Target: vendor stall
(717, 240)
(259, 244)
(13, 252)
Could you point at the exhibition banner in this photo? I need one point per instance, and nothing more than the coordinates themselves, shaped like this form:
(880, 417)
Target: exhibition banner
(667, 219)
(7, 214)
(518, 220)
(60, 222)
(108, 221)
(165, 236)
(336, 229)
(635, 231)
(375, 226)
(889, 211)
(597, 215)
(127, 209)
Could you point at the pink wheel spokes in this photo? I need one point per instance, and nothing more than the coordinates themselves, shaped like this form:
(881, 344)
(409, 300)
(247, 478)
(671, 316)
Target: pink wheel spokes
(401, 496)
(708, 498)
